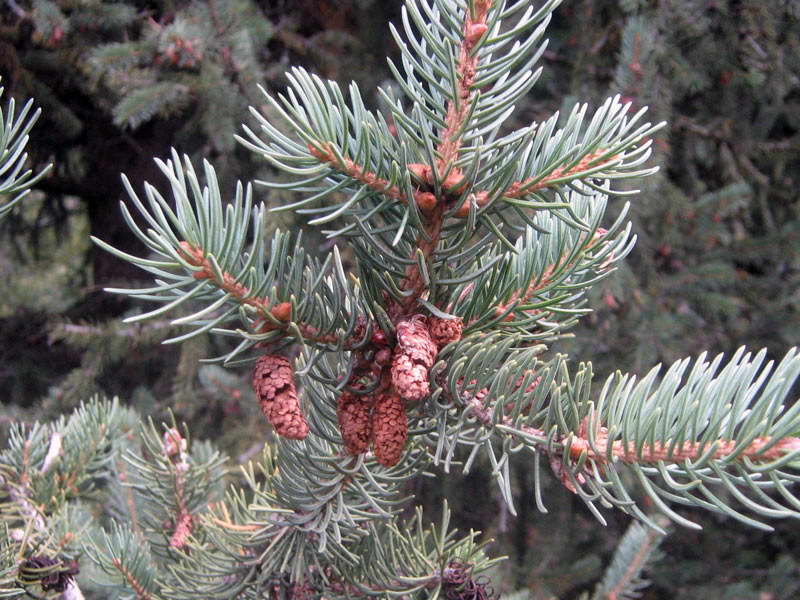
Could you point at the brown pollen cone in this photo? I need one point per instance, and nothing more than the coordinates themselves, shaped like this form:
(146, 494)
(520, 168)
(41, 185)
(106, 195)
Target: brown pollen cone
(413, 357)
(355, 422)
(445, 331)
(273, 380)
(390, 428)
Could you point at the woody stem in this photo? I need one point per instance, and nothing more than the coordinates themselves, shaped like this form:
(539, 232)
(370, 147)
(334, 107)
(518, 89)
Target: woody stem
(458, 107)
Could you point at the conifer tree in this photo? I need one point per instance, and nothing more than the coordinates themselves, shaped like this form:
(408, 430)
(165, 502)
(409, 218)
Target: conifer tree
(473, 248)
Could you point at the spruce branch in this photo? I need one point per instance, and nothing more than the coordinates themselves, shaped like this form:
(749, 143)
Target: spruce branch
(163, 99)
(715, 428)
(636, 550)
(540, 286)
(46, 473)
(203, 254)
(428, 560)
(173, 482)
(383, 186)
(125, 562)
(473, 252)
(446, 169)
(611, 146)
(458, 106)
(65, 460)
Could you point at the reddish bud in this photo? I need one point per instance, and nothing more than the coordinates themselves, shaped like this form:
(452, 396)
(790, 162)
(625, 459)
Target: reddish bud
(192, 255)
(454, 182)
(383, 357)
(282, 312)
(421, 171)
(174, 443)
(610, 301)
(475, 32)
(426, 201)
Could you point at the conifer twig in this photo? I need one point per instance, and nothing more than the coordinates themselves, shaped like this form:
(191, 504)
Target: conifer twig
(546, 277)
(346, 166)
(274, 316)
(759, 450)
(474, 29)
(138, 588)
(174, 449)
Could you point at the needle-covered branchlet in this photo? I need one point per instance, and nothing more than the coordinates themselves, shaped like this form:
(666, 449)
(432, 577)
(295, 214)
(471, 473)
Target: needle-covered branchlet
(174, 447)
(273, 380)
(759, 450)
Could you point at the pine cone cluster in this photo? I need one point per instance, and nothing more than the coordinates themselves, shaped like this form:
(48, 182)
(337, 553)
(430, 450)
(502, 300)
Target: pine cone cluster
(386, 377)
(396, 375)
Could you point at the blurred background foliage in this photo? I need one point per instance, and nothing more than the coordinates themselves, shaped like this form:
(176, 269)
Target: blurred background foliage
(717, 264)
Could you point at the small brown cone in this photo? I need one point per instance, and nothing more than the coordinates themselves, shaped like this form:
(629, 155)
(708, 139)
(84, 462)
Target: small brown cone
(273, 380)
(413, 357)
(389, 427)
(445, 331)
(355, 422)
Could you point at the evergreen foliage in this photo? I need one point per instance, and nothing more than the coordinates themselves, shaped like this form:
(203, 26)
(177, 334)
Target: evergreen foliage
(16, 179)
(474, 250)
(119, 82)
(623, 579)
(206, 52)
(718, 253)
